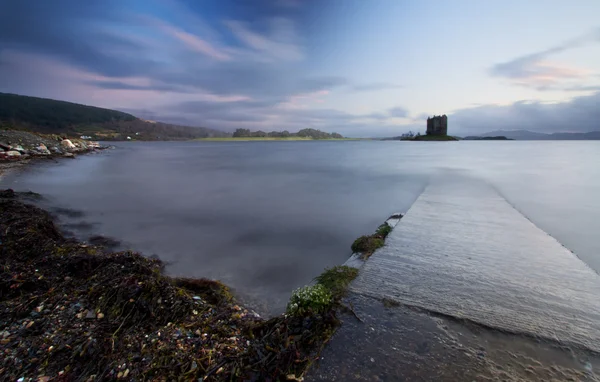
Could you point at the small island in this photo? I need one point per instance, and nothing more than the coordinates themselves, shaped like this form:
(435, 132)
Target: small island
(437, 130)
(302, 135)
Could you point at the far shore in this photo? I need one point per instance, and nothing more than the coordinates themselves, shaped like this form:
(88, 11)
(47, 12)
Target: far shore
(252, 139)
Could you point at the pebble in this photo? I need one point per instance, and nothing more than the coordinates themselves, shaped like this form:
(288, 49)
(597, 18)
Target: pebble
(100, 316)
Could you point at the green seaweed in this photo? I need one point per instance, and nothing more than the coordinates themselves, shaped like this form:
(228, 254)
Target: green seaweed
(367, 244)
(337, 279)
(383, 230)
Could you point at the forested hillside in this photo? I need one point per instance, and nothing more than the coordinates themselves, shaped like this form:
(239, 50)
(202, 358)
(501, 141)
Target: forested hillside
(49, 116)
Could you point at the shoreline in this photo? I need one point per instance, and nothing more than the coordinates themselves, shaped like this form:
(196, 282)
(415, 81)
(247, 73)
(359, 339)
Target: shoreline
(420, 337)
(69, 315)
(268, 139)
(20, 148)
(91, 314)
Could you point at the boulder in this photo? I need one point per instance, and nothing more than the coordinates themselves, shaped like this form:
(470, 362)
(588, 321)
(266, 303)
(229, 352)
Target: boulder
(69, 155)
(20, 149)
(13, 154)
(42, 150)
(56, 150)
(67, 144)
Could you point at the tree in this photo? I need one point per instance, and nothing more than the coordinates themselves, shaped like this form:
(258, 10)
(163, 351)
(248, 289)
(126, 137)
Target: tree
(242, 133)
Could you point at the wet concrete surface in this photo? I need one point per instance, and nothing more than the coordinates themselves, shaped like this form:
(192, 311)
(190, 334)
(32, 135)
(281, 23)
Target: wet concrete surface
(466, 288)
(398, 343)
(462, 250)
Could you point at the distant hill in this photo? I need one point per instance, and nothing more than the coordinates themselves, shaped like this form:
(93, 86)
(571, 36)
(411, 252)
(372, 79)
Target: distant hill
(491, 138)
(49, 116)
(531, 135)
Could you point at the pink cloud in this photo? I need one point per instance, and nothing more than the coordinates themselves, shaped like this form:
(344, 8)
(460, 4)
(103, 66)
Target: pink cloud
(40, 75)
(190, 40)
(281, 44)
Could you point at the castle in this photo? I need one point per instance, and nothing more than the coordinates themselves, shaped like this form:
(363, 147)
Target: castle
(438, 125)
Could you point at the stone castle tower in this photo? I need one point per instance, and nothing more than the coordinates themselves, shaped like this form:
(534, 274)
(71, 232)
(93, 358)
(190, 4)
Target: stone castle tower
(438, 125)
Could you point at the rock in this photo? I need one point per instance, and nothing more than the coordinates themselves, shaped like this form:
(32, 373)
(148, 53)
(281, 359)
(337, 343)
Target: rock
(69, 155)
(56, 150)
(67, 144)
(13, 153)
(90, 314)
(4, 146)
(20, 149)
(42, 150)
(100, 316)
(8, 193)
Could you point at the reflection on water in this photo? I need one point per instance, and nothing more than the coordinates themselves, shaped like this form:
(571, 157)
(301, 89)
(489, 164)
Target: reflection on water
(266, 217)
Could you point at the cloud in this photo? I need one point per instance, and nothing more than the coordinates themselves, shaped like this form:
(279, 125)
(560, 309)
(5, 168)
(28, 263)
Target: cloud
(535, 70)
(281, 43)
(376, 86)
(580, 114)
(398, 112)
(193, 42)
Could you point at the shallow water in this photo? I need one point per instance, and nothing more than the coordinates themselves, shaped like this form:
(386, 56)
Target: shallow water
(266, 217)
(463, 251)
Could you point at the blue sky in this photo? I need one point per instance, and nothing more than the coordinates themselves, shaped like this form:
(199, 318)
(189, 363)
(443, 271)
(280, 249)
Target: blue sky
(361, 68)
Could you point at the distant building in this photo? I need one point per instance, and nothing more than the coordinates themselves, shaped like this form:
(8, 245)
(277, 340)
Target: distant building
(438, 125)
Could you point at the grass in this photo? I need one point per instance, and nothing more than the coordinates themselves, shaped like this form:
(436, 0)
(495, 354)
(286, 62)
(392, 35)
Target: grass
(337, 279)
(367, 244)
(384, 230)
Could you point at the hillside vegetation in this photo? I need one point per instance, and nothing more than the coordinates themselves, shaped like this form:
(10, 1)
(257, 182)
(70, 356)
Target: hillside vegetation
(49, 116)
(304, 133)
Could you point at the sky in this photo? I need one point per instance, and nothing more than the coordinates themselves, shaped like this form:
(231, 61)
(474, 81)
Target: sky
(360, 68)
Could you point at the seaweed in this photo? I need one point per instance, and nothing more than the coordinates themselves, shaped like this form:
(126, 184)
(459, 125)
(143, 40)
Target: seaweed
(68, 310)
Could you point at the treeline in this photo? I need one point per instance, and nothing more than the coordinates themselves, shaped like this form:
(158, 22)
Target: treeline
(42, 115)
(304, 133)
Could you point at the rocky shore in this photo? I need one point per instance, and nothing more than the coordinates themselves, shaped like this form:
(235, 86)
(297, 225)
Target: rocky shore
(71, 311)
(20, 147)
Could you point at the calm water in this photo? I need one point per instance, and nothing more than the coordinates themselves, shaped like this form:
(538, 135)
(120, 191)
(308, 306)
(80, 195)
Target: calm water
(266, 217)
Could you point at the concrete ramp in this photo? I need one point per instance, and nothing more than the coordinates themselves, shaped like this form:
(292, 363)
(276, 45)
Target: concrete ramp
(462, 250)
